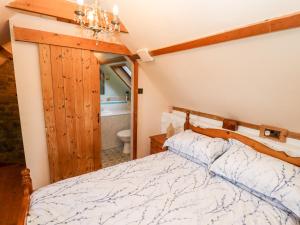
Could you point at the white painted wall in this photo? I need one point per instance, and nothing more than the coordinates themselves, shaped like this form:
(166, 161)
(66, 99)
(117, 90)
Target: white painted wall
(30, 102)
(255, 80)
(150, 106)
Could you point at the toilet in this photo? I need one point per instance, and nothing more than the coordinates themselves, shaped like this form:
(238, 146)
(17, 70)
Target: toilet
(125, 137)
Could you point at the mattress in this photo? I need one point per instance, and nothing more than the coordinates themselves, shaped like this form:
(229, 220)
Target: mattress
(164, 188)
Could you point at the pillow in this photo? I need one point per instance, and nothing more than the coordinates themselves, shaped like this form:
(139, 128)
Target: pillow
(196, 147)
(277, 180)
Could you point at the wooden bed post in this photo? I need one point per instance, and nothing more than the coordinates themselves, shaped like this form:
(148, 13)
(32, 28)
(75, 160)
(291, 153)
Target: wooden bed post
(187, 120)
(27, 185)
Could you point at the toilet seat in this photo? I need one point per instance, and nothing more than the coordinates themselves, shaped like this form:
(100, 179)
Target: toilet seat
(125, 136)
(124, 133)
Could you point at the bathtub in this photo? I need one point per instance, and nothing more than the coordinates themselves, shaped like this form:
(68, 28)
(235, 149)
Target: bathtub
(114, 117)
(115, 112)
(115, 109)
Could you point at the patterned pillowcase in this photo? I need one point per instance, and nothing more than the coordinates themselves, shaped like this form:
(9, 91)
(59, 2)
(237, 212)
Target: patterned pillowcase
(196, 147)
(268, 177)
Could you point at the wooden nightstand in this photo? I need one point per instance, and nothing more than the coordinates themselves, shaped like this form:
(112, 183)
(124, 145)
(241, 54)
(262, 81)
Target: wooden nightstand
(157, 142)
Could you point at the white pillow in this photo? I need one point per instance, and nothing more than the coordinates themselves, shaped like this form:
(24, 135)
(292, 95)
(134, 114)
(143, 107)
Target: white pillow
(198, 148)
(277, 180)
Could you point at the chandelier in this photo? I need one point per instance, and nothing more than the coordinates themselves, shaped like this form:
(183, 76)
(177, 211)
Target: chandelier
(98, 21)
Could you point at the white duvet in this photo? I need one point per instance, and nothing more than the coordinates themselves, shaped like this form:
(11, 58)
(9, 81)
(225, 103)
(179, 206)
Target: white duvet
(160, 189)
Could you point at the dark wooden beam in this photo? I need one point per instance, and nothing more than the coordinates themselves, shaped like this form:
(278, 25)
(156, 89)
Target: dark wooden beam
(43, 37)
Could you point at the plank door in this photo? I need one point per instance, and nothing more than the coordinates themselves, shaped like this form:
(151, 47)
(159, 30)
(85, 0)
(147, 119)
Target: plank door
(71, 98)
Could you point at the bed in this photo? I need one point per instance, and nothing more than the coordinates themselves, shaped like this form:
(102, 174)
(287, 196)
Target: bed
(165, 188)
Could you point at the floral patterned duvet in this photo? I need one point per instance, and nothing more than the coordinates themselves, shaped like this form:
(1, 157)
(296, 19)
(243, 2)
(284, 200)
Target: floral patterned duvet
(163, 188)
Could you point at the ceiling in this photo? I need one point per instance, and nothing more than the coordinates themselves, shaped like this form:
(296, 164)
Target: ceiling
(156, 23)
(158, 27)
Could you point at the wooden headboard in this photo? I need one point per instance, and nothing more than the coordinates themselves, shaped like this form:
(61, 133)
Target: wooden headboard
(226, 134)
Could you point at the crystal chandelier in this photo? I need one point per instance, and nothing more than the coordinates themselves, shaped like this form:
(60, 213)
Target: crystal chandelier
(97, 20)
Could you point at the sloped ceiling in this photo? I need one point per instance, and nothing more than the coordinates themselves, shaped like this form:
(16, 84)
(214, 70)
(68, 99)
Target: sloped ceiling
(254, 79)
(157, 23)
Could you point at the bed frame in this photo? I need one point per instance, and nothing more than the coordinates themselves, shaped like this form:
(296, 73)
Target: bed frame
(27, 190)
(225, 134)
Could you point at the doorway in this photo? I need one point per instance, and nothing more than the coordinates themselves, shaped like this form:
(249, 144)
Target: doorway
(116, 108)
(71, 80)
(71, 95)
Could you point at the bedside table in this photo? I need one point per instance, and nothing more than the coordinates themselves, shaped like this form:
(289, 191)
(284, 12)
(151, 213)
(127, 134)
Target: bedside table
(157, 142)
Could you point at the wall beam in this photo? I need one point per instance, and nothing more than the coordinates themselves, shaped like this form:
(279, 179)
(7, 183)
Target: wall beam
(267, 26)
(43, 37)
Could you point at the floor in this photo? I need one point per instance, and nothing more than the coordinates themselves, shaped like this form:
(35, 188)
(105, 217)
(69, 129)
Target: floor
(10, 193)
(114, 156)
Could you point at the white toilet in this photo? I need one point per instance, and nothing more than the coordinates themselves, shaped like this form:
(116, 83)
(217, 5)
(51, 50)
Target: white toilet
(125, 137)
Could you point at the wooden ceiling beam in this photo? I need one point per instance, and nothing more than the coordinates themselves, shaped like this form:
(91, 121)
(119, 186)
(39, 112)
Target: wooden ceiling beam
(114, 60)
(268, 26)
(43, 37)
(61, 9)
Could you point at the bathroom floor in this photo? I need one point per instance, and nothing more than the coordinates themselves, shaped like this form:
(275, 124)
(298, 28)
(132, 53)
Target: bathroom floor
(114, 156)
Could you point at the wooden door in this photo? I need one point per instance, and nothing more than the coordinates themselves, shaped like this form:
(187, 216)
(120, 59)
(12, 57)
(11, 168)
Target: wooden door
(71, 97)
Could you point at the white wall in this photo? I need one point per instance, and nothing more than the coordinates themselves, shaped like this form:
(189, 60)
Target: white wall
(255, 80)
(151, 104)
(26, 65)
(31, 111)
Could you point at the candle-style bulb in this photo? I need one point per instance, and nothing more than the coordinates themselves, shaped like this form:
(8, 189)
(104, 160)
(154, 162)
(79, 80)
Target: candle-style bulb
(90, 15)
(116, 10)
(80, 2)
